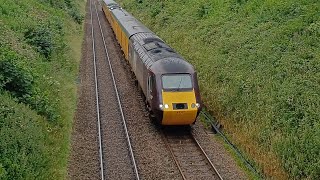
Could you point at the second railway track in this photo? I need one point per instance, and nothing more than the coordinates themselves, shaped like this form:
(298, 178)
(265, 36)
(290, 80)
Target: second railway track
(189, 156)
(100, 50)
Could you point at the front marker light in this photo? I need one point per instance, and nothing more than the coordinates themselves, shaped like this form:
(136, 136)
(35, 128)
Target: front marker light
(166, 106)
(161, 106)
(198, 105)
(193, 105)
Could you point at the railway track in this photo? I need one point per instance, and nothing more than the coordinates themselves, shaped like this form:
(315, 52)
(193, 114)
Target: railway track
(94, 31)
(189, 156)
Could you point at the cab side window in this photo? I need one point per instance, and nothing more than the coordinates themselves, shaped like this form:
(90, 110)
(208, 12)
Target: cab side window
(151, 83)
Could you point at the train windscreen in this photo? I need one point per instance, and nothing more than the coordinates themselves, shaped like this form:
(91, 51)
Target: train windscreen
(176, 82)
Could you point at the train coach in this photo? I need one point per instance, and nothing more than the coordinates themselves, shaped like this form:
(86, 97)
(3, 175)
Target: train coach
(168, 82)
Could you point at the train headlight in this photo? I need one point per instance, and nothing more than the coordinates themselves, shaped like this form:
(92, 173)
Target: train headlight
(162, 107)
(198, 105)
(193, 105)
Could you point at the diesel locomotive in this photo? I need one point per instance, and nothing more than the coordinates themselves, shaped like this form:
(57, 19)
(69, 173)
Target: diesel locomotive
(168, 82)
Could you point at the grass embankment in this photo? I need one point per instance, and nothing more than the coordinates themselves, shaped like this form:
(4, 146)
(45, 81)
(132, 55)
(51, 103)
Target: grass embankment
(38, 70)
(259, 71)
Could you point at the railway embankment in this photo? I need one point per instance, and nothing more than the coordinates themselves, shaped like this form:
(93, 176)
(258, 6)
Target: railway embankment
(40, 49)
(258, 65)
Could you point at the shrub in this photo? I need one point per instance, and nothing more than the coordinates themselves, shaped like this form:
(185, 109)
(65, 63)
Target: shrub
(3, 172)
(15, 79)
(32, 33)
(22, 142)
(56, 3)
(68, 5)
(75, 14)
(19, 82)
(203, 10)
(44, 106)
(41, 38)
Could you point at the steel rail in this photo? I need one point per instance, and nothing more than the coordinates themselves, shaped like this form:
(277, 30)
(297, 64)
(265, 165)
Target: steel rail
(205, 154)
(173, 156)
(233, 147)
(97, 96)
(199, 147)
(118, 98)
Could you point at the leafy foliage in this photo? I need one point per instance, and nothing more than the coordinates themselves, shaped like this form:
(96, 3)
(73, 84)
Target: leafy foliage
(19, 82)
(37, 88)
(70, 6)
(259, 68)
(41, 38)
(21, 143)
(15, 79)
(75, 14)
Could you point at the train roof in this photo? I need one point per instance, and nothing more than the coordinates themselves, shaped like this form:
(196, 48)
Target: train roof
(172, 65)
(155, 54)
(128, 23)
(110, 3)
(158, 56)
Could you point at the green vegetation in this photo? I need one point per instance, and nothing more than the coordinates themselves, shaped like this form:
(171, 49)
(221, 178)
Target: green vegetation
(38, 69)
(259, 70)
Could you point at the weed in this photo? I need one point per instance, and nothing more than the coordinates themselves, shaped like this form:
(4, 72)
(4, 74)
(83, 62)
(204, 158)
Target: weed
(75, 14)
(14, 78)
(41, 38)
(21, 143)
(203, 10)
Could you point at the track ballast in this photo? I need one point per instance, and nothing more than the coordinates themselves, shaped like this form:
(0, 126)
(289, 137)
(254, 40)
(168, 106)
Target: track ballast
(189, 156)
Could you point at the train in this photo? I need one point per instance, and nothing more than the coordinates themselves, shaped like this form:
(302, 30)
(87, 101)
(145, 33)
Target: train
(168, 82)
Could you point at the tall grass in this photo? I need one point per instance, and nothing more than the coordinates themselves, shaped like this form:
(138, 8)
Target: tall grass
(38, 69)
(259, 69)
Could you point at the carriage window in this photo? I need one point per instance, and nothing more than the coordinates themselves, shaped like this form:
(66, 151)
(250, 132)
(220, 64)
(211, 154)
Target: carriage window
(152, 83)
(176, 82)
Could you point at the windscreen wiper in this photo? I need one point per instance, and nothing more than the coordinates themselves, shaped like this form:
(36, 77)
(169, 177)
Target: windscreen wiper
(179, 85)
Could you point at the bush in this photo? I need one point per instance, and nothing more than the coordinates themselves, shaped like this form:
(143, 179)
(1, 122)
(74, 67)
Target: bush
(56, 3)
(75, 14)
(41, 38)
(22, 142)
(19, 82)
(13, 78)
(44, 106)
(36, 112)
(68, 5)
(203, 10)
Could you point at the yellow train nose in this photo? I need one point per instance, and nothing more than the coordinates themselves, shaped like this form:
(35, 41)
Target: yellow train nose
(179, 108)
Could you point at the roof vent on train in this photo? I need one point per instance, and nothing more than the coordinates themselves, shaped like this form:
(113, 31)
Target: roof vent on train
(153, 43)
(152, 39)
(150, 46)
(113, 6)
(156, 51)
(155, 46)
